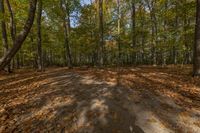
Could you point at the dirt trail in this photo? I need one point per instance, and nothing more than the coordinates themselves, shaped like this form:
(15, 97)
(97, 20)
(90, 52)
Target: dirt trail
(129, 100)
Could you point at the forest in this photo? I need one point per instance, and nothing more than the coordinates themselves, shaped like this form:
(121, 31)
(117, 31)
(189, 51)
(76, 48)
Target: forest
(100, 66)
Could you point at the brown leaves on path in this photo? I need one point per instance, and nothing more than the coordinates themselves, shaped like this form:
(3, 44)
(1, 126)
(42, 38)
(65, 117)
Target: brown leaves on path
(132, 99)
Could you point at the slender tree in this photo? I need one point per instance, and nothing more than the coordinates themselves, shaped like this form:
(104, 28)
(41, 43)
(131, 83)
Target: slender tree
(12, 21)
(165, 28)
(154, 29)
(133, 17)
(196, 66)
(8, 56)
(39, 36)
(67, 27)
(12, 27)
(4, 31)
(119, 32)
(101, 34)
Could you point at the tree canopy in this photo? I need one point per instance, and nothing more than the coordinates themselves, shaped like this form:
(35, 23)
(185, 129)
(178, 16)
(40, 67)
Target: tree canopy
(162, 32)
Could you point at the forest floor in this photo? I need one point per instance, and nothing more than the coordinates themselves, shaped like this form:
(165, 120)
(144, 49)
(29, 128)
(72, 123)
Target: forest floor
(111, 100)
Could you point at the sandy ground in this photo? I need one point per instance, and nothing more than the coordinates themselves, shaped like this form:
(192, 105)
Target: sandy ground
(123, 100)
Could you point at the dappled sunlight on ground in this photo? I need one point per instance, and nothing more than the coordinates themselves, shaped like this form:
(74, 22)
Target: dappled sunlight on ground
(121, 100)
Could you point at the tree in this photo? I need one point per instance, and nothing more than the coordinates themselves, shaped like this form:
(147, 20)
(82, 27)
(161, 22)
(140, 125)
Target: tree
(12, 22)
(5, 60)
(196, 66)
(119, 32)
(101, 34)
(39, 37)
(4, 31)
(154, 29)
(67, 28)
(133, 17)
(12, 29)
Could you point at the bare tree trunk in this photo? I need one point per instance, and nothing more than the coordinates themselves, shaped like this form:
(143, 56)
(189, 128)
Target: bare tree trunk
(101, 33)
(185, 25)
(119, 33)
(151, 6)
(174, 50)
(196, 66)
(163, 51)
(5, 60)
(133, 29)
(34, 61)
(39, 37)
(142, 25)
(66, 26)
(4, 32)
(3, 27)
(69, 32)
(12, 21)
(12, 27)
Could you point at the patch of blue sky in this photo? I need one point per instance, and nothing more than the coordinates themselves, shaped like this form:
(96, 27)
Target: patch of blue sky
(74, 20)
(85, 2)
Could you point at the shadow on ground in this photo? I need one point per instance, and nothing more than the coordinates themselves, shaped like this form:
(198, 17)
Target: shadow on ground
(96, 101)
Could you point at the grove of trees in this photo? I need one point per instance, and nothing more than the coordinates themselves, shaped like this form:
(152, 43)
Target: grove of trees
(99, 33)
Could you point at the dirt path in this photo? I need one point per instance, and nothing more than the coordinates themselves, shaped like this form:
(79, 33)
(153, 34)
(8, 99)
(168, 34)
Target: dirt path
(129, 100)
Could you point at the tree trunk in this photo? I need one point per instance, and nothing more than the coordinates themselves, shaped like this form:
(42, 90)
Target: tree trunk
(12, 21)
(163, 50)
(4, 32)
(119, 33)
(68, 32)
(3, 27)
(154, 30)
(174, 49)
(39, 37)
(133, 30)
(66, 26)
(196, 66)
(186, 45)
(101, 33)
(12, 28)
(5, 60)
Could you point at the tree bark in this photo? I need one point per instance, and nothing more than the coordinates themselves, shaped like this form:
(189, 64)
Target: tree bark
(12, 21)
(186, 45)
(119, 33)
(133, 17)
(5, 60)
(4, 31)
(66, 26)
(174, 49)
(163, 50)
(101, 33)
(12, 27)
(196, 66)
(39, 37)
(3, 27)
(69, 54)
(154, 30)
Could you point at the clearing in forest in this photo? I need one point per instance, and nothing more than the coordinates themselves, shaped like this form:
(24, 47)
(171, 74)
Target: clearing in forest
(110, 100)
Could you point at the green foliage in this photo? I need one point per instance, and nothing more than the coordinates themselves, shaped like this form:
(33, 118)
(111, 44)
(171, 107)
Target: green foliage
(174, 22)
